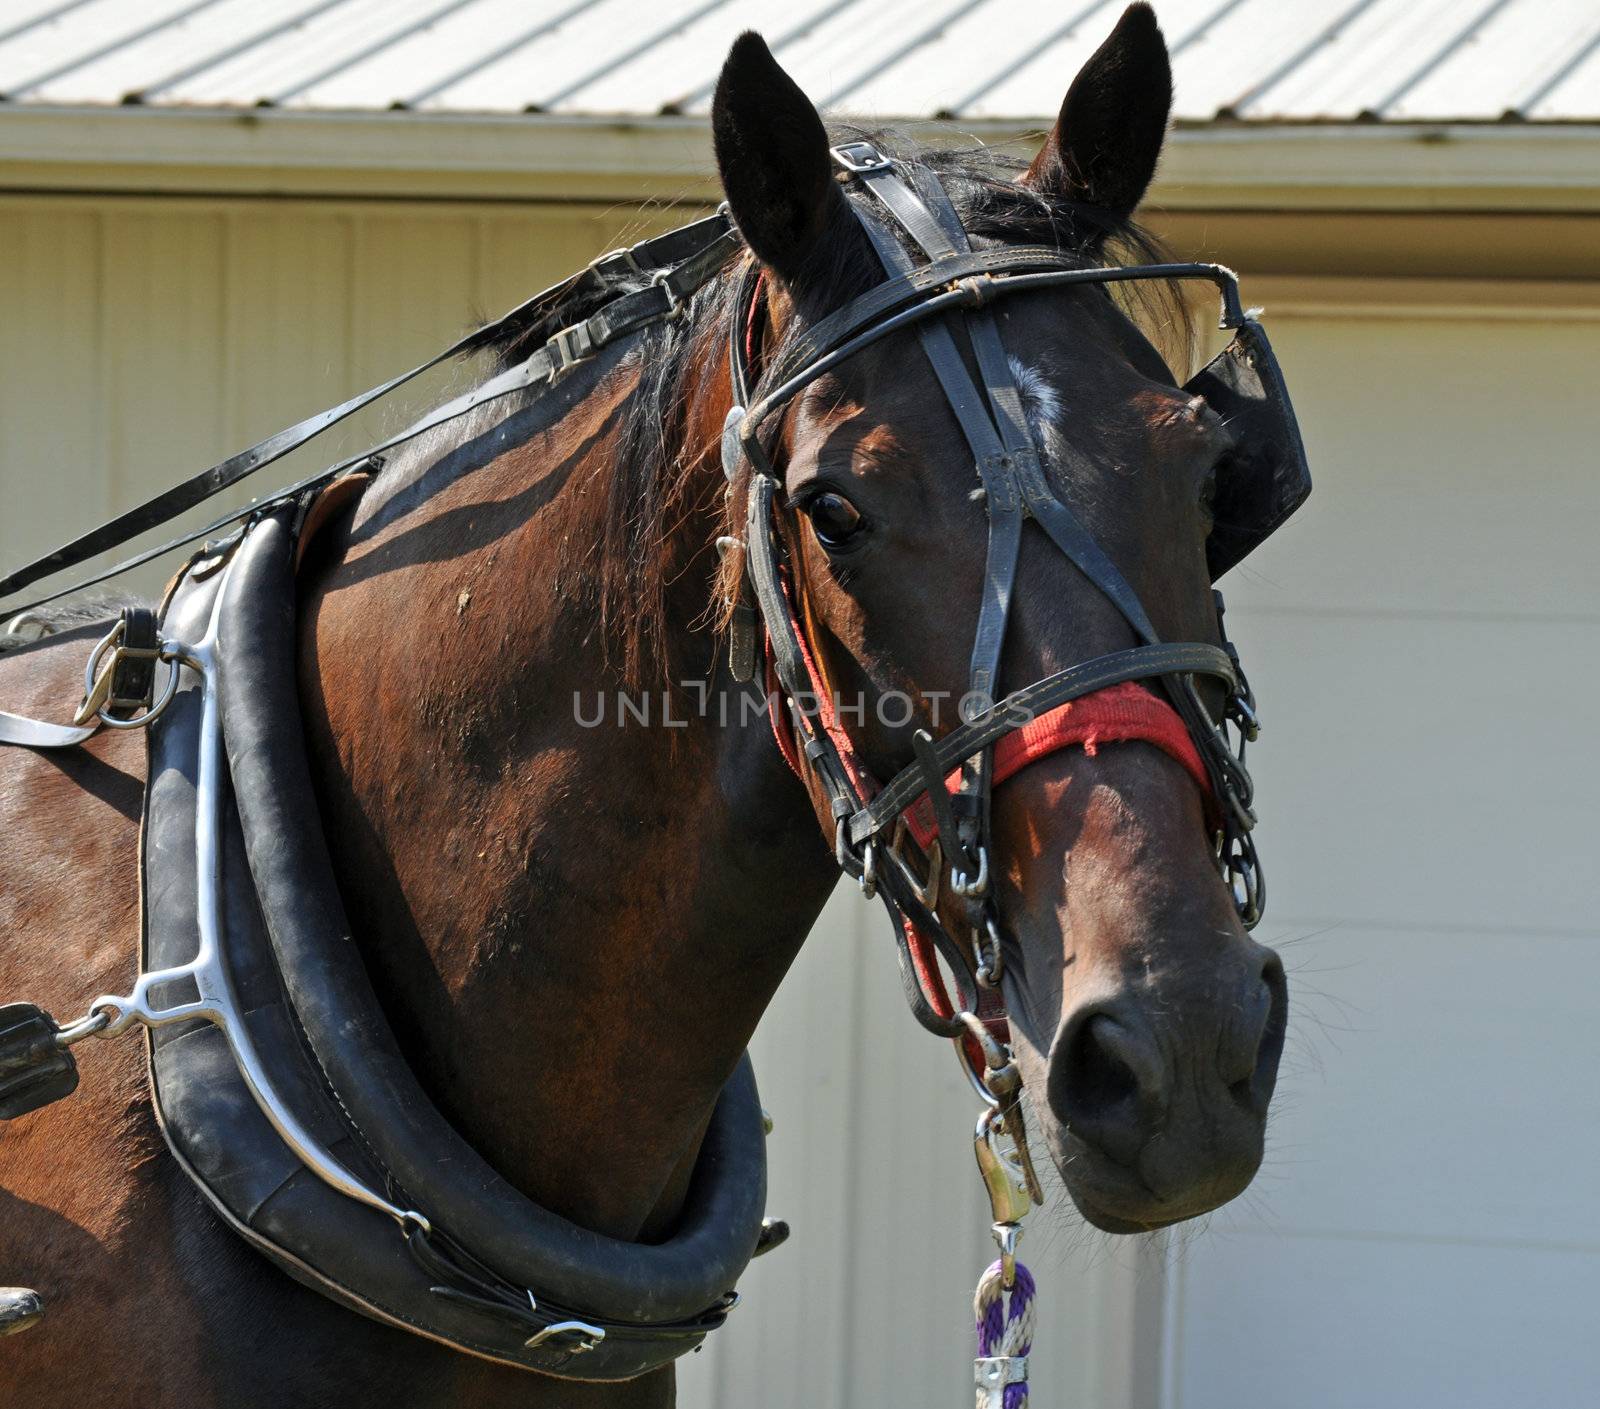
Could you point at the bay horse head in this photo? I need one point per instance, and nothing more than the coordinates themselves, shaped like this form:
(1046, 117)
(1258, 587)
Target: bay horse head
(1147, 1023)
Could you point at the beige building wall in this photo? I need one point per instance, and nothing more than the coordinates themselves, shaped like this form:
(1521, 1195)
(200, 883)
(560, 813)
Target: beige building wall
(1424, 639)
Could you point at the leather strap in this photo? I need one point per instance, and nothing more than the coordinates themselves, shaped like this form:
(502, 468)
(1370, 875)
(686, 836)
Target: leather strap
(1024, 267)
(39, 734)
(1123, 713)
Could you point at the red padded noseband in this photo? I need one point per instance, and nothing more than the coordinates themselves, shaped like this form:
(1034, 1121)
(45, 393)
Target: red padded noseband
(1123, 713)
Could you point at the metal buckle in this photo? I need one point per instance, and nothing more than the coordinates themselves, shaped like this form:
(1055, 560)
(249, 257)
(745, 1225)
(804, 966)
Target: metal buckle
(604, 264)
(98, 679)
(925, 890)
(567, 349)
(860, 157)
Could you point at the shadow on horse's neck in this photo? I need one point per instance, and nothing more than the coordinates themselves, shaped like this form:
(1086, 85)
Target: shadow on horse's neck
(574, 918)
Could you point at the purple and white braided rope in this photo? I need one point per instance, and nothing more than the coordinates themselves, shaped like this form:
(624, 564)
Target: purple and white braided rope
(1004, 1329)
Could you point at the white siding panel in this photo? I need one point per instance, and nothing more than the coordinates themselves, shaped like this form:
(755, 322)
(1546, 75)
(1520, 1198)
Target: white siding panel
(1455, 468)
(1326, 1323)
(165, 331)
(1424, 639)
(413, 285)
(53, 466)
(288, 308)
(1426, 771)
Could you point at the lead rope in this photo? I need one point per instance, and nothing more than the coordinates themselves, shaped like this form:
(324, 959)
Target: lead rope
(1005, 1336)
(1002, 1306)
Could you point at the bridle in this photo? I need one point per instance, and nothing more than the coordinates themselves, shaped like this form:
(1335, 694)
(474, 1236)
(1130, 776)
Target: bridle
(943, 798)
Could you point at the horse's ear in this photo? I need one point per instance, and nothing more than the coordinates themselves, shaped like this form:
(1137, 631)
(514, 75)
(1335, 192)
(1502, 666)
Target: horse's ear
(1107, 139)
(772, 153)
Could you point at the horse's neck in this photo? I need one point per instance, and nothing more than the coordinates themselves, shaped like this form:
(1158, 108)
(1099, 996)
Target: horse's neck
(573, 925)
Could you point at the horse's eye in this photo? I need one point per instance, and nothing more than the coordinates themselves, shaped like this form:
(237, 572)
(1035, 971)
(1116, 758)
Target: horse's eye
(837, 522)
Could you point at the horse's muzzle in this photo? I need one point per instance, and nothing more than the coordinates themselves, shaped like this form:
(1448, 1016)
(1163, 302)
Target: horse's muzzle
(1159, 1101)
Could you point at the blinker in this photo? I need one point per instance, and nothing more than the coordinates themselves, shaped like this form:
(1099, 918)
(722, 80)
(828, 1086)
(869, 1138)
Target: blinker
(1266, 478)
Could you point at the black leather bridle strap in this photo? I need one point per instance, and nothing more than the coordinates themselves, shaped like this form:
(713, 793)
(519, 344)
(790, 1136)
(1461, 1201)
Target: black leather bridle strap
(1010, 269)
(995, 428)
(788, 650)
(992, 446)
(877, 173)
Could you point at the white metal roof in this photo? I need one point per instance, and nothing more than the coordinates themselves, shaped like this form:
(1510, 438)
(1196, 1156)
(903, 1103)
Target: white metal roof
(1251, 60)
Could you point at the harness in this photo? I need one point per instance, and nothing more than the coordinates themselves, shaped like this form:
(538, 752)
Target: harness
(313, 1093)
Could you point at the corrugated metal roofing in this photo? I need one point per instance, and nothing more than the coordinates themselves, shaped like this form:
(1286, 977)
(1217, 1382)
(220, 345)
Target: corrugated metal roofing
(1248, 60)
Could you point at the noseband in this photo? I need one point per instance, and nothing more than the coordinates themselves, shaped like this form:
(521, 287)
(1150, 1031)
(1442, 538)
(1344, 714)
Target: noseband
(943, 798)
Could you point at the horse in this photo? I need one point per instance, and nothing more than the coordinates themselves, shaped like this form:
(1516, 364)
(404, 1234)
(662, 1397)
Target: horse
(574, 930)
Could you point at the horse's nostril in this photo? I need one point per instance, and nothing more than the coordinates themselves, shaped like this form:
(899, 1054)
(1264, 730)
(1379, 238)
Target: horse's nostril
(1107, 1083)
(1254, 1091)
(1098, 1075)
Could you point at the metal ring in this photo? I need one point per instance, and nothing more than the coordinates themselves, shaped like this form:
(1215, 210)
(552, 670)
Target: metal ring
(91, 673)
(676, 307)
(24, 622)
(140, 721)
(95, 1023)
(973, 1079)
(419, 1221)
